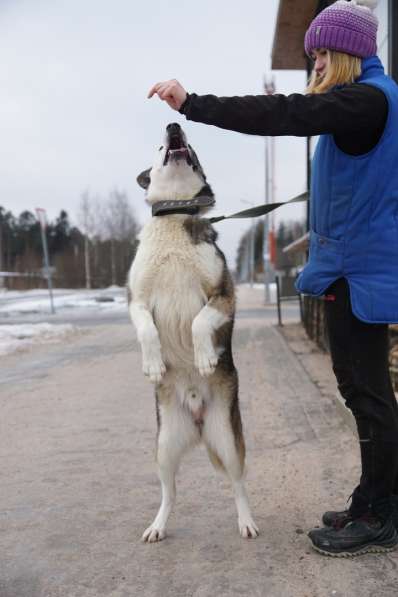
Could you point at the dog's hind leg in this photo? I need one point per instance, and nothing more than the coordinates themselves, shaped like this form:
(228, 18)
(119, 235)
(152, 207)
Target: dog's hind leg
(222, 434)
(176, 434)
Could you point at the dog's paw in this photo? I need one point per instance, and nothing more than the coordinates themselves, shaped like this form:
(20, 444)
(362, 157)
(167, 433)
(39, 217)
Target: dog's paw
(206, 362)
(153, 534)
(248, 529)
(154, 369)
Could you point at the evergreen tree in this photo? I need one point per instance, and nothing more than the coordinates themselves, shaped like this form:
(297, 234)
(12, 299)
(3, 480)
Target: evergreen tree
(60, 233)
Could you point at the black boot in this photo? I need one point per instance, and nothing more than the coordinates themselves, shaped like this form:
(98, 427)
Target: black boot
(371, 532)
(338, 519)
(358, 537)
(394, 507)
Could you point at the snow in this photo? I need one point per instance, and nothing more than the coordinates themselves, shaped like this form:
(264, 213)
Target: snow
(35, 304)
(37, 301)
(21, 336)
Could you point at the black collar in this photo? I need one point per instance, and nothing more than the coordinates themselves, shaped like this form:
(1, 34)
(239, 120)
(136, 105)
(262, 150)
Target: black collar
(185, 206)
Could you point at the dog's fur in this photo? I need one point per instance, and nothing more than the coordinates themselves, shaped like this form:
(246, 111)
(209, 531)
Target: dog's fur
(182, 303)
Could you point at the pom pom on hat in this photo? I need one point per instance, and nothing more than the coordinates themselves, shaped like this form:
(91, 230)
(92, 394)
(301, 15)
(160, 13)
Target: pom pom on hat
(349, 27)
(368, 3)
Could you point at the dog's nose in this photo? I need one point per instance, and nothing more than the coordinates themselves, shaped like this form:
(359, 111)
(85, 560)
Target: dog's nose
(173, 127)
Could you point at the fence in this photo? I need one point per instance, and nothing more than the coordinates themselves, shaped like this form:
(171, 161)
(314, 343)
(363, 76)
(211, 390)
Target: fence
(313, 316)
(286, 291)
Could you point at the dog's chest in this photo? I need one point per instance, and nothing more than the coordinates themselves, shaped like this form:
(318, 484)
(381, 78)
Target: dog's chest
(174, 262)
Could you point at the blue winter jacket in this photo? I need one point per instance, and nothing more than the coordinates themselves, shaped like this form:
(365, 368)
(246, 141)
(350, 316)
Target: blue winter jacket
(354, 215)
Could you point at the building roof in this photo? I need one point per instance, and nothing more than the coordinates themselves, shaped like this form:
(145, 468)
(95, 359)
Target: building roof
(292, 22)
(300, 245)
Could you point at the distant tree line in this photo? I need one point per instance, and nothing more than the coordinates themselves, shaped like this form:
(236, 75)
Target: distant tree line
(97, 252)
(285, 234)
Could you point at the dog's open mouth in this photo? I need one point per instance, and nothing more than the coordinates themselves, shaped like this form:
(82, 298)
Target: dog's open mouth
(177, 149)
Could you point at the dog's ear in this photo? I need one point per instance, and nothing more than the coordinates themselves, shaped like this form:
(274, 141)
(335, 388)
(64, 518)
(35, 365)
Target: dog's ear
(144, 179)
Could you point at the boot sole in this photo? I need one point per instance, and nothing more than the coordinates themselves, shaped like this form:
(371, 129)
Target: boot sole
(358, 552)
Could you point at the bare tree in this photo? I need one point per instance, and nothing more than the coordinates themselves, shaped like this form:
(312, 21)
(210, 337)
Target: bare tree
(120, 227)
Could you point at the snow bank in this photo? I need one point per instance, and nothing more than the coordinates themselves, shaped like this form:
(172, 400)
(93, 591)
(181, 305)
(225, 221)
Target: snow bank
(19, 337)
(37, 301)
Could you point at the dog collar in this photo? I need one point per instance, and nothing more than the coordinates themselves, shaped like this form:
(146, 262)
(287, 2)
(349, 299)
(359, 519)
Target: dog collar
(184, 206)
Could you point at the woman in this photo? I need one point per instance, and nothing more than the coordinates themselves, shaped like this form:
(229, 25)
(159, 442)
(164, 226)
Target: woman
(353, 260)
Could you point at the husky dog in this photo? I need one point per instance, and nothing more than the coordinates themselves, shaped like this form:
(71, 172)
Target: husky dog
(182, 303)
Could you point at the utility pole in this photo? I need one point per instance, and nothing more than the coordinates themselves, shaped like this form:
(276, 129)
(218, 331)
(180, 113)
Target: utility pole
(252, 241)
(252, 263)
(41, 216)
(269, 89)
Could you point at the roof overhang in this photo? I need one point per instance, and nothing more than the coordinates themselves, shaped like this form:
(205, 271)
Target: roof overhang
(292, 22)
(300, 245)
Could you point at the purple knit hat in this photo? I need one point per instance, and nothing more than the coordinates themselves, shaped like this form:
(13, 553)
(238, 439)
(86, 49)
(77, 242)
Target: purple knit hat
(349, 27)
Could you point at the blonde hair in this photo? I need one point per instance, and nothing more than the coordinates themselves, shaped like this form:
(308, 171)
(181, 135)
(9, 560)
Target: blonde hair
(342, 69)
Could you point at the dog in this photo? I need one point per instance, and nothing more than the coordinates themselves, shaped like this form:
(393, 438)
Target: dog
(182, 303)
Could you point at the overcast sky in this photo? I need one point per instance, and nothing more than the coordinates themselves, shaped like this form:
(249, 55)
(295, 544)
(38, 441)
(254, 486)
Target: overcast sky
(74, 76)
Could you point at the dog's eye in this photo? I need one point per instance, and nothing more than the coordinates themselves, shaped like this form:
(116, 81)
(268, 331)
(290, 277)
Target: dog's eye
(160, 148)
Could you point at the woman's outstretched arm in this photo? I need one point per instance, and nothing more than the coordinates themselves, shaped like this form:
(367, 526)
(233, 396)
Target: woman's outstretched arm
(353, 108)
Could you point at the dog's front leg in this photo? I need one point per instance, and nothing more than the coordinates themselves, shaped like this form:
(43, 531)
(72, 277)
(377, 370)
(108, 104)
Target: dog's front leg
(208, 320)
(148, 336)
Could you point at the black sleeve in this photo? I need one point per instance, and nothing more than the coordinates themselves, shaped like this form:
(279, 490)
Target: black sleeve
(350, 109)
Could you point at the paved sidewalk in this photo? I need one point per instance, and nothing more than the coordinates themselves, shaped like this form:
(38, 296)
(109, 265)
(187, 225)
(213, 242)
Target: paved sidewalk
(79, 484)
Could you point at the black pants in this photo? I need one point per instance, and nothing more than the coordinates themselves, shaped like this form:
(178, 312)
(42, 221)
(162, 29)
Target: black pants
(360, 362)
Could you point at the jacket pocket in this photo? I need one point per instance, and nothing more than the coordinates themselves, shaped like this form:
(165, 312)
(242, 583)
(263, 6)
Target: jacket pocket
(326, 251)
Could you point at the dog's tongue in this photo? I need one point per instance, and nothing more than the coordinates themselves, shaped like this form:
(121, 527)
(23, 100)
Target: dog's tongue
(181, 150)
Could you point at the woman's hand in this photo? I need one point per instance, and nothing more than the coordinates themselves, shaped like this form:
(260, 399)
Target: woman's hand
(171, 92)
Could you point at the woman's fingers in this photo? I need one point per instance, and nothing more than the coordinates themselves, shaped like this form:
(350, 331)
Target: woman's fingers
(165, 90)
(153, 90)
(169, 91)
